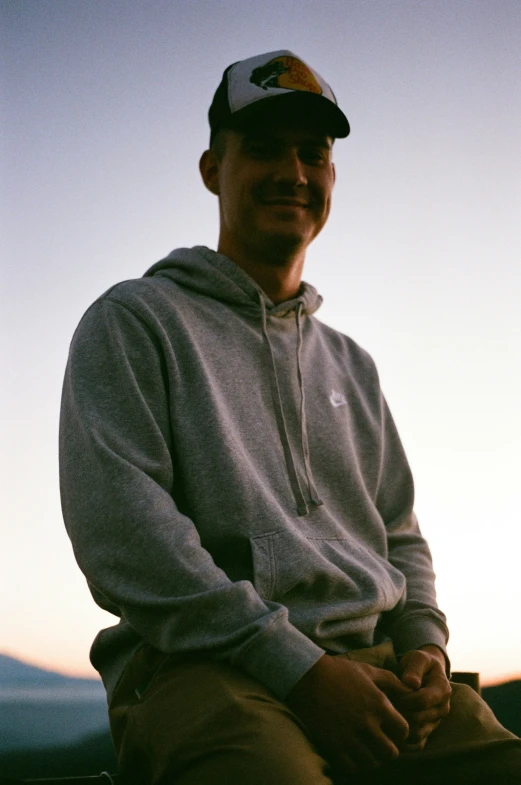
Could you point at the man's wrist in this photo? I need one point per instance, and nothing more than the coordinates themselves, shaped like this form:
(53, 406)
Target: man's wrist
(437, 652)
(433, 649)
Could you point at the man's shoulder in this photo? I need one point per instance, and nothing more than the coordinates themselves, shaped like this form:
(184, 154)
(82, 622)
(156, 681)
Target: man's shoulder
(145, 297)
(184, 274)
(137, 290)
(133, 302)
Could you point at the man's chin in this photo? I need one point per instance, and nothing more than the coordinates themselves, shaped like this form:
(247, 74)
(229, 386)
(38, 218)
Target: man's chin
(281, 247)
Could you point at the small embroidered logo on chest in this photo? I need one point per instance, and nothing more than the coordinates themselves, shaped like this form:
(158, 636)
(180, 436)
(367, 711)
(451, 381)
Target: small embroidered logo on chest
(337, 399)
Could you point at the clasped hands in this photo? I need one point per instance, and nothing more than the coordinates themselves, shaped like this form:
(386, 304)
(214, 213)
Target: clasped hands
(360, 716)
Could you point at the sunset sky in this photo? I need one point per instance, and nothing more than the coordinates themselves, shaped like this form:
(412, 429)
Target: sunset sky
(420, 262)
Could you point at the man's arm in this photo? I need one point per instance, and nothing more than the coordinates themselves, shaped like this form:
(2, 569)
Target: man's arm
(416, 621)
(134, 545)
(417, 627)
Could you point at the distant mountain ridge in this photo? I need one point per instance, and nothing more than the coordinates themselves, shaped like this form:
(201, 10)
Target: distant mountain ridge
(40, 708)
(15, 673)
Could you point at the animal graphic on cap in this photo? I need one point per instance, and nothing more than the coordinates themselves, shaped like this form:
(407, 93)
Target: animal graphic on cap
(268, 75)
(285, 73)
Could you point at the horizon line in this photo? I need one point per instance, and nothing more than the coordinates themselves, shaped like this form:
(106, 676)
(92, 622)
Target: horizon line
(79, 673)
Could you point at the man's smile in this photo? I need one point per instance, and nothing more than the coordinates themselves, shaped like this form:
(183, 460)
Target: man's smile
(285, 201)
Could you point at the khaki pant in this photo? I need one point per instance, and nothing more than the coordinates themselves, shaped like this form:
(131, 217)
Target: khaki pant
(194, 721)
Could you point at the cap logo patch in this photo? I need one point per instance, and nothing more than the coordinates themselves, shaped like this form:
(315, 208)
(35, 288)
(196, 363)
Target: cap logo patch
(285, 73)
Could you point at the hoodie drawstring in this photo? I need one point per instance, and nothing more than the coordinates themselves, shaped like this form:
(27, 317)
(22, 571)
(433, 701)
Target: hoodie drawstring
(303, 507)
(303, 426)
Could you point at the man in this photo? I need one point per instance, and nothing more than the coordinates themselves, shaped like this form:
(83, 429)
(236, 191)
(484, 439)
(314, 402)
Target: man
(236, 492)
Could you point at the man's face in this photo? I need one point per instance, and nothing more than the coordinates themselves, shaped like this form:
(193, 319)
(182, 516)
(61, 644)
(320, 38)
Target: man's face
(274, 186)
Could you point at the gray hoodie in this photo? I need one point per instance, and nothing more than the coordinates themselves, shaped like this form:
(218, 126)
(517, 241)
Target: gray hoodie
(232, 481)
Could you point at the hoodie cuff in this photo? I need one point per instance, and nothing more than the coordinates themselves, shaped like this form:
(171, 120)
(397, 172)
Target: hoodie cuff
(279, 657)
(423, 632)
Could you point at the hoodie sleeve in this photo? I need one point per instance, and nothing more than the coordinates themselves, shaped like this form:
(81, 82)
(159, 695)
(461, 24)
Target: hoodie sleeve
(141, 556)
(417, 621)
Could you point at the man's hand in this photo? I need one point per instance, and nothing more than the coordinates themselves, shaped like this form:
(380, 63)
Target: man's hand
(347, 708)
(423, 671)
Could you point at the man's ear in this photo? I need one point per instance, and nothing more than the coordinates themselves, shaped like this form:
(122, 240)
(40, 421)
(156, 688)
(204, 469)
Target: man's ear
(209, 168)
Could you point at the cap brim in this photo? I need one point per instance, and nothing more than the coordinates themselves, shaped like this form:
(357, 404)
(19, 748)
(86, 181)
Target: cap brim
(298, 107)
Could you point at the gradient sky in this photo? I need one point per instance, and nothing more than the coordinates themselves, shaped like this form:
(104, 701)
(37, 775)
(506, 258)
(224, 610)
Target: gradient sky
(420, 261)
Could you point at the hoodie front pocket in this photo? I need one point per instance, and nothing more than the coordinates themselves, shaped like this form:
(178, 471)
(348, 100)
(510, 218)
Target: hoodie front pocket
(296, 570)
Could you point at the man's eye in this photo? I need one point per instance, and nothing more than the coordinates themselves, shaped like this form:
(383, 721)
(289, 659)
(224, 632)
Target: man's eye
(312, 155)
(261, 149)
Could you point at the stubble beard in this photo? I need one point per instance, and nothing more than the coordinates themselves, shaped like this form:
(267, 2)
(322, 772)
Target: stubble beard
(278, 250)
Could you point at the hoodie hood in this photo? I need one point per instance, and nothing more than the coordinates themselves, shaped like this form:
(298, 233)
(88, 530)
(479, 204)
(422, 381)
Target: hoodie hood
(214, 275)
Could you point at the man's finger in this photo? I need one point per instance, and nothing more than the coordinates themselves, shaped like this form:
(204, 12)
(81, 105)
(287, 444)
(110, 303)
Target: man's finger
(416, 747)
(395, 726)
(387, 750)
(390, 684)
(428, 697)
(363, 755)
(413, 667)
(420, 733)
(428, 715)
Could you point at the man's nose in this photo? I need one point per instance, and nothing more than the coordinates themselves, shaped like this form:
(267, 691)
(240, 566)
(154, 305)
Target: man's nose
(291, 170)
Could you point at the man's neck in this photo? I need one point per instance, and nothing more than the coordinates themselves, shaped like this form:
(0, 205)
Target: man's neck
(279, 279)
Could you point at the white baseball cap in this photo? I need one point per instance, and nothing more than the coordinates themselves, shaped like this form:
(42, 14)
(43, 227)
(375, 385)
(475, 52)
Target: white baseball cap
(271, 85)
